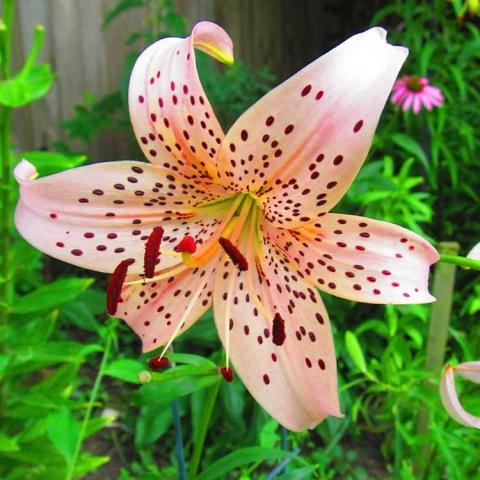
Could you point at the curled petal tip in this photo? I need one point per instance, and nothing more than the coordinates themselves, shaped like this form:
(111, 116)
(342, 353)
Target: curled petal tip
(25, 172)
(381, 32)
(474, 253)
(449, 395)
(213, 40)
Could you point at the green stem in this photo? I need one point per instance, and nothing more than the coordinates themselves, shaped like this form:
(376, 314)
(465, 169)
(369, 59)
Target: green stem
(91, 401)
(460, 261)
(5, 143)
(439, 323)
(202, 430)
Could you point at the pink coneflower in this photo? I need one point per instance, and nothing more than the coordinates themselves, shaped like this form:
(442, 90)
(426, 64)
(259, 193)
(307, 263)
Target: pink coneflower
(411, 92)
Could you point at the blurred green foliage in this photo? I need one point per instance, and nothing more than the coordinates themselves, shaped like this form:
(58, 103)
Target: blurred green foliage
(420, 174)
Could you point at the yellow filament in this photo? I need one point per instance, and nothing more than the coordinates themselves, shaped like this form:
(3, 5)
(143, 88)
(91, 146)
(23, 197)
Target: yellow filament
(160, 276)
(250, 254)
(186, 313)
(205, 251)
(227, 318)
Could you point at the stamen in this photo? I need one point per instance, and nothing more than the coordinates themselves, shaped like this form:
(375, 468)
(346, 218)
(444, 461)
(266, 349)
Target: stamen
(278, 330)
(186, 245)
(227, 374)
(234, 253)
(115, 284)
(157, 363)
(152, 249)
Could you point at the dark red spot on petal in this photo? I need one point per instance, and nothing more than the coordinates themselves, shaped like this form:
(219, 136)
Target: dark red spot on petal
(358, 126)
(306, 90)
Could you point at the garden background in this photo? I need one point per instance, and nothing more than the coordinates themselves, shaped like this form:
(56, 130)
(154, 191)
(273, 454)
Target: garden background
(72, 404)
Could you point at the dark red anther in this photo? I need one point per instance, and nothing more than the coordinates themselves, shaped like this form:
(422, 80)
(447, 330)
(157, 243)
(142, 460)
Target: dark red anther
(157, 363)
(152, 249)
(115, 284)
(187, 245)
(227, 374)
(234, 253)
(278, 330)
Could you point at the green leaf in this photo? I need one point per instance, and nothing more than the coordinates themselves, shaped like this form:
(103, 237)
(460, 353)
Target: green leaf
(27, 357)
(8, 444)
(303, 473)
(51, 296)
(355, 351)
(125, 369)
(48, 163)
(151, 424)
(165, 391)
(411, 146)
(190, 359)
(63, 430)
(32, 82)
(26, 87)
(238, 458)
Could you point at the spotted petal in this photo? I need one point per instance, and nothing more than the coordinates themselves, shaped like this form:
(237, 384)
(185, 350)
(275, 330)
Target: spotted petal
(170, 113)
(296, 381)
(360, 259)
(163, 309)
(451, 402)
(97, 215)
(302, 144)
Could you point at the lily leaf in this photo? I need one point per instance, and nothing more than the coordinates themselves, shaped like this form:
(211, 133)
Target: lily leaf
(241, 457)
(32, 82)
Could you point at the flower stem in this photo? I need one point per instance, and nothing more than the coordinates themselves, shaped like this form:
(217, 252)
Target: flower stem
(91, 401)
(460, 261)
(182, 470)
(202, 430)
(5, 144)
(439, 323)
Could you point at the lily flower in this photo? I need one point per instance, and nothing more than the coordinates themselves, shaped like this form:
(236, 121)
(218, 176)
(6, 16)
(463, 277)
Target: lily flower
(414, 93)
(239, 221)
(474, 253)
(448, 392)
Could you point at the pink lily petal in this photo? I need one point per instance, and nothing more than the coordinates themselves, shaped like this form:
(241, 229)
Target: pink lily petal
(313, 131)
(448, 392)
(160, 310)
(469, 370)
(97, 215)
(360, 259)
(170, 113)
(475, 252)
(295, 381)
